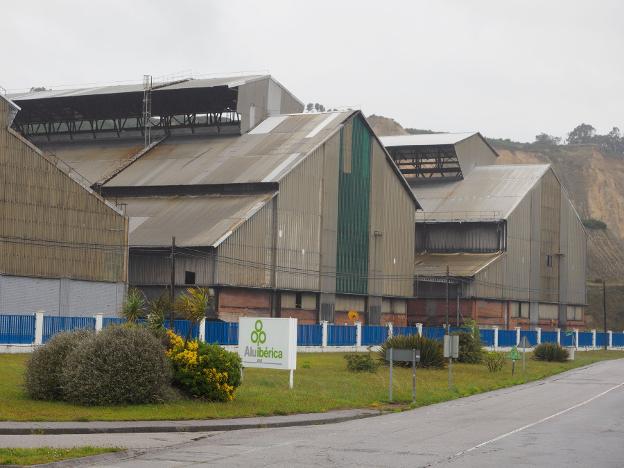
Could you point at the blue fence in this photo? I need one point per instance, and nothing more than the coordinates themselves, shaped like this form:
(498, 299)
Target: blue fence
(374, 335)
(405, 331)
(17, 329)
(340, 335)
(506, 338)
(224, 333)
(585, 339)
(435, 333)
(487, 337)
(20, 329)
(531, 336)
(549, 337)
(309, 335)
(54, 325)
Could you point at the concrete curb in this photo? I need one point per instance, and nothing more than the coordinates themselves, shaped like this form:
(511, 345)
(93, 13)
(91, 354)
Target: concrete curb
(209, 425)
(104, 458)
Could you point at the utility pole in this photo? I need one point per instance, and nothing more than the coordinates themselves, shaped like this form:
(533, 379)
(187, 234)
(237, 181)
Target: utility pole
(604, 311)
(173, 277)
(457, 289)
(447, 301)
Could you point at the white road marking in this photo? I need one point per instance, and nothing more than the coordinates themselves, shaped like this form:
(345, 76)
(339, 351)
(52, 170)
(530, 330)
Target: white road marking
(547, 418)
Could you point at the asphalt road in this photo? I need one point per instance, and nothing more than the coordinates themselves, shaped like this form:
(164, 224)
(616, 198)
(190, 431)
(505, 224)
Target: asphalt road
(575, 419)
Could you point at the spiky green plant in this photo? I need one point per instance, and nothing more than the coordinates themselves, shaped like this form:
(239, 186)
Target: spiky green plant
(134, 306)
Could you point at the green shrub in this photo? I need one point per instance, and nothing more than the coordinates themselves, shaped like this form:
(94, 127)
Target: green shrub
(43, 377)
(361, 363)
(494, 361)
(431, 351)
(470, 348)
(204, 370)
(120, 365)
(550, 352)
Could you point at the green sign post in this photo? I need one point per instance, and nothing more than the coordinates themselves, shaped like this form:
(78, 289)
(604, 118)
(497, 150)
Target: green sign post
(514, 355)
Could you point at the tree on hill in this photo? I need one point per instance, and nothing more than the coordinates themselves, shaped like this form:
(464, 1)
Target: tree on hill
(547, 140)
(582, 134)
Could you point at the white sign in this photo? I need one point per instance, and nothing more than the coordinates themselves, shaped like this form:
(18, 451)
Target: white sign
(451, 346)
(270, 343)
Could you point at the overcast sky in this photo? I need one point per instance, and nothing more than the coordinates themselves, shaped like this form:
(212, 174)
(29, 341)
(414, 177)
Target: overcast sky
(506, 68)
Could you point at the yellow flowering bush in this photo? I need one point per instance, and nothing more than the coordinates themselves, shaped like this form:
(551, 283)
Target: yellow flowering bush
(203, 370)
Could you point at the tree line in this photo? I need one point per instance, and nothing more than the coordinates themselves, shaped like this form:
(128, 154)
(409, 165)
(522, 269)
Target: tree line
(585, 134)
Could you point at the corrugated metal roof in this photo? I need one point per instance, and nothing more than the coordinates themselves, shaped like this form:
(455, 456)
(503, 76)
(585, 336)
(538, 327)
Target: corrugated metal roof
(201, 221)
(253, 157)
(230, 81)
(486, 193)
(459, 264)
(432, 139)
(96, 159)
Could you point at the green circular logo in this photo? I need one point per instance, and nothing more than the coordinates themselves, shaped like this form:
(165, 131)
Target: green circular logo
(258, 335)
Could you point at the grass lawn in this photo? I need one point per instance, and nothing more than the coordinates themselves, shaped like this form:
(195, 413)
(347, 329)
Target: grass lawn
(35, 456)
(322, 383)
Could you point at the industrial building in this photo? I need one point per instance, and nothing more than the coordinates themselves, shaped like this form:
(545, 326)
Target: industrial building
(503, 240)
(227, 185)
(63, 249)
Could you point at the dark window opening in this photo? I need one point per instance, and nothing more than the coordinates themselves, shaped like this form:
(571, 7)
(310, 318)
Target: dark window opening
(189, 277)
(298, 300)
(548, 260)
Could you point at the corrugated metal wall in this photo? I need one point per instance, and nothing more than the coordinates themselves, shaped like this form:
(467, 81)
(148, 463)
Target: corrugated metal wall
(458, 237)
(574, 254)
(22, 295)
(50, 226)
(299, 225)
(149, 268)
(474, 152)
(549, 237)
(246, 257)
(392, 217)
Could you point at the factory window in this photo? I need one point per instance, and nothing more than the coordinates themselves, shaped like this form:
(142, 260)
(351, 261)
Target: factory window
(189, 277)
(298, 300)
(548, 260)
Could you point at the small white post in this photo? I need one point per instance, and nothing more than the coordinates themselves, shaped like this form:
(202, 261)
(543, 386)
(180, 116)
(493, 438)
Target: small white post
(539, 335)
(576, 332)
(390, 329)
(517, 336)
(610, 335)
(495, 328)
(419, 328)
(324, 334)
(358, 334)
(202, 330)
(39, 327)
(99, 322)
(559, 336)
(291, 379)
(594, 338)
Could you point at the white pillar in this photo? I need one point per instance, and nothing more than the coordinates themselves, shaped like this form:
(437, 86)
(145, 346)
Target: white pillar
(495, 338)
(610, 336)
(390, 329)
(99, 322)
(517, 336)
(324, 334)
(576, 338)
(594, 338)
(358, 334)
(559, 336)
(39, 327)
(539, 335)
(419, 328)
(202, 330)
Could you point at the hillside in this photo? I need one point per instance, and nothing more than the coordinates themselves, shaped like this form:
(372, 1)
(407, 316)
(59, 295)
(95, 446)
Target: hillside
(595, 184)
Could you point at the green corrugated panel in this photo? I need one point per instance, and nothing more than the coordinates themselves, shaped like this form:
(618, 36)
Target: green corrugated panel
(353, 212)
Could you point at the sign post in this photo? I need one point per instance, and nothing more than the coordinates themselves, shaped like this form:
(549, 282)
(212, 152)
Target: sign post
(514, 356)
(269, 343)
(451, 350)
(403, 355)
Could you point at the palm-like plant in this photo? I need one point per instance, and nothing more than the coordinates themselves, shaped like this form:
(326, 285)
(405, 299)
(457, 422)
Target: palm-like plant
(192, 305)
(134, 306)
(158, 309)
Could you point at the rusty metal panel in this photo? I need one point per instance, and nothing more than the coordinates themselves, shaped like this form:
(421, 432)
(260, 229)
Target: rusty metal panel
(51, 225)
(391, 232)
